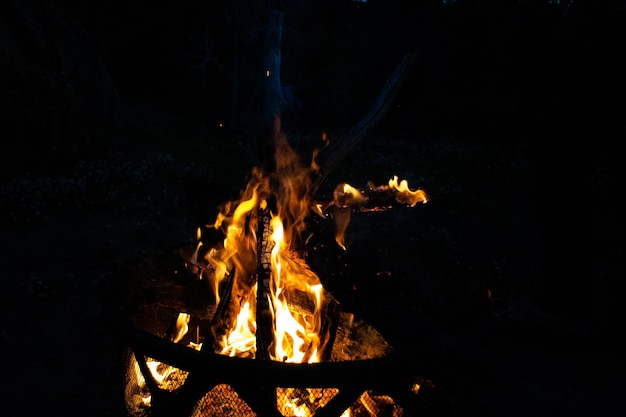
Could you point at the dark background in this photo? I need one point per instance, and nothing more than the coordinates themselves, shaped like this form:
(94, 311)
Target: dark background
(125, 124)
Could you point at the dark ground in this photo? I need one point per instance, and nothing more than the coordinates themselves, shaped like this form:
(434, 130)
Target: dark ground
(497, 284)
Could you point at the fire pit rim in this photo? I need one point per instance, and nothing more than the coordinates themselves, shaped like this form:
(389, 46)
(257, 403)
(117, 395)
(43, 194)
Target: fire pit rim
(394, 370)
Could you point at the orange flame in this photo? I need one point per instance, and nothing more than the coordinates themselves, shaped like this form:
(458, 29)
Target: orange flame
(242, 339)
(345, 199)
(295, 294)
(295, 287)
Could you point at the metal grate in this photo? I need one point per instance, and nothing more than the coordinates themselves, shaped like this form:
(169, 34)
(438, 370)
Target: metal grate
(222, 401)
(149, 382)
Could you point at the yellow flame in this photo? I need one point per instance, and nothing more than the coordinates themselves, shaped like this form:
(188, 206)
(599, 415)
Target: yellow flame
(181, 327)
(242, 339)
(159, 370)
(345, 199)
(237, 252)
(405, 194)
(294, 288)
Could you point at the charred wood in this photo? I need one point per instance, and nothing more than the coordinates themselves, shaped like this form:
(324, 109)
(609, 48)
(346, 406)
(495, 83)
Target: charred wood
(375, 199)
(263, 313)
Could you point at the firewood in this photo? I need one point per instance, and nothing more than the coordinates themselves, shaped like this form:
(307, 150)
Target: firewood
(264, 329)
(235, 292)
(374, 199)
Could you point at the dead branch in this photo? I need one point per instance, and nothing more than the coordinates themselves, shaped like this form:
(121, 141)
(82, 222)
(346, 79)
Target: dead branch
(330, 157)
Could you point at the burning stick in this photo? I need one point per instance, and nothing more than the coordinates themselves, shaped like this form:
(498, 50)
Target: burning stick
(347, 199)
(399, 191)
(377, 198)
(263, 313)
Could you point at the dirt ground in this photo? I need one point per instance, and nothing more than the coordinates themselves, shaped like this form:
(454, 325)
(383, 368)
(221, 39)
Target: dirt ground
(454, 281)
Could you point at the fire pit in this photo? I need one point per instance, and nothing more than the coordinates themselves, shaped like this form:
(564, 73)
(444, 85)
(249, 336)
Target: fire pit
(363, 374)
(238, 324)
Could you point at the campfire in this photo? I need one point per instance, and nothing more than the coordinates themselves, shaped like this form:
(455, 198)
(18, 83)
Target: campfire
(239, 324)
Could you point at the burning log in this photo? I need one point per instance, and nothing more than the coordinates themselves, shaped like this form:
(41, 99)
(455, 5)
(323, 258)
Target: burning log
(235, 293)
(226, 313)
(377, 198)
(347, 199)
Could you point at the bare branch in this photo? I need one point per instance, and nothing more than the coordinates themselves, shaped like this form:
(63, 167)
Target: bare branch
(330, 157)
